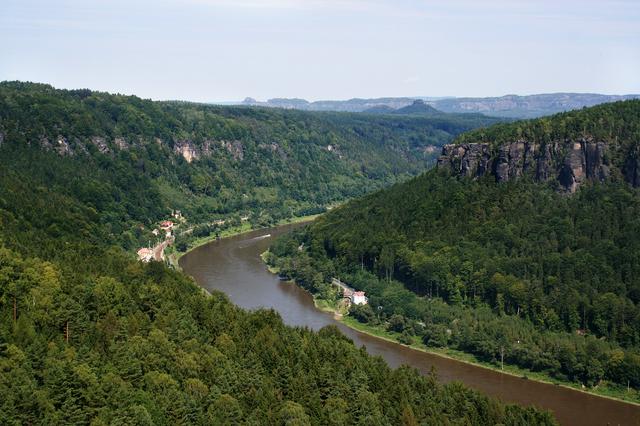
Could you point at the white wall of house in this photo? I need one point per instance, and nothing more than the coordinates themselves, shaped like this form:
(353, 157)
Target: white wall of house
(359, 299)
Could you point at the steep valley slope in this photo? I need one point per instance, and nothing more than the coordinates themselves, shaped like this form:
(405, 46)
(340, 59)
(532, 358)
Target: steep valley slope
(522, 246)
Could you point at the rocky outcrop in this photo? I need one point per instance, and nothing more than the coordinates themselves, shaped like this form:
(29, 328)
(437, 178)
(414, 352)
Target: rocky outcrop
(191, 151)
(273, 148)
(583, 161)
(234, 148)
(429, 149)
(60, 145)
(470, 160)
(208, 147)
(121, 143)
(514, 160)
(187, 149)
(571, 163)
(101, 144)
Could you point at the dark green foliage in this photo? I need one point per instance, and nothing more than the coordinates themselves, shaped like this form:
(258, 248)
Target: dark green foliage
(47, 202)
(617, 123)
(87, 335)
(553, 279)
(147, 347)
(269, 162)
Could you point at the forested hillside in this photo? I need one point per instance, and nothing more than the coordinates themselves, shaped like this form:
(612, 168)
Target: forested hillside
(513, 268)
(567, 150)
(128, 343)
(213, 161)
(88, 335)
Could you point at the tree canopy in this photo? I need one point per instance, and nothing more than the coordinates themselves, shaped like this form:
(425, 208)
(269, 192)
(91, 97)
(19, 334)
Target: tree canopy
(89, 335)
(552, 279)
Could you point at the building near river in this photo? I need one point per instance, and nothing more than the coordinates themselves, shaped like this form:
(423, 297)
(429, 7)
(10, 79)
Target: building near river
(167, 226)
(359, 298)
(354, 297)
(145, 254)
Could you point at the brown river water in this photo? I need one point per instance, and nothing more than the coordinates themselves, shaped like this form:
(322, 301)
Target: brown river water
(233, 266)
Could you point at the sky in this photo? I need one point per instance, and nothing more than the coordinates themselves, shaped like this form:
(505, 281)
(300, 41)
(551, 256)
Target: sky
(225, 50)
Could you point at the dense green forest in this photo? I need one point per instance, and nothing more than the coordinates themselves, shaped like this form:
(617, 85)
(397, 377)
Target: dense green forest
(617, 123)
(211, 161)
(548, 280)
(90, 336)
(120, 342)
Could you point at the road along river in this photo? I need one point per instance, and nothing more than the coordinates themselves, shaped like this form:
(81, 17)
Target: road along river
(233, 266)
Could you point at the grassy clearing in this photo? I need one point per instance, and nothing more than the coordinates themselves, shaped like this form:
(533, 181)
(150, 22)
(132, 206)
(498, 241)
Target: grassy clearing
(298, 219)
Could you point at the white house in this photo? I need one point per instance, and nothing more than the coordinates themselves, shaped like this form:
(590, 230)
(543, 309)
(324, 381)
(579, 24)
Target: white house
(145, 254)
(359, 298)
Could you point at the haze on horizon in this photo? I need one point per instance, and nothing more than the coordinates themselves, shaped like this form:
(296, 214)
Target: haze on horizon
(225, 50)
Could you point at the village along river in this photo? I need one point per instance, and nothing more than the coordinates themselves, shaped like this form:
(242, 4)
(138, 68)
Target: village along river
(233, 266)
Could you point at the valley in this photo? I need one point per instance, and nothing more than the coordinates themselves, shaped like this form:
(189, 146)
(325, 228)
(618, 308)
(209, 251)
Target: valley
(233, 266)
(113, 196)
(423, 213)
(495, 257)
(89, 334)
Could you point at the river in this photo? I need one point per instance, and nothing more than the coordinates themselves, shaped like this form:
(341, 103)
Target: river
(233, 266)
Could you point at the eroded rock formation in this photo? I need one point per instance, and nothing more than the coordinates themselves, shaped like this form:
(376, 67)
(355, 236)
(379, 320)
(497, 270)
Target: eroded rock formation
(101, 144)
(187, 149)
(121, 143)
(571, 163)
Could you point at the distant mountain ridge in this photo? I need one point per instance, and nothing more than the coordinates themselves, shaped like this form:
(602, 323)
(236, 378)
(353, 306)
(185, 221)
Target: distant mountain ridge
(515, 106)
(351, 105)
(529, 106)
(418, 107)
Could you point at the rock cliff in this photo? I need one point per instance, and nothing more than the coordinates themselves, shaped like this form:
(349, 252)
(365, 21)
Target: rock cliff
(570, 163)
(188, 149)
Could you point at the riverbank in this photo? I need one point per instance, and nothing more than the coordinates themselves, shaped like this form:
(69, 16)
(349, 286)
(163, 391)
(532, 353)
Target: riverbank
(604, 390)
(233, 266)
(173, 258)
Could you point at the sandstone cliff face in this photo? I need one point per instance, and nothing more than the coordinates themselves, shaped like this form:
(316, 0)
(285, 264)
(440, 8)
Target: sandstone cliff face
(471, 160)
(571, 163)
(235, 148)
(187, 149)
(121, 143)
(60, 144)
(191, 151)
(101, 144)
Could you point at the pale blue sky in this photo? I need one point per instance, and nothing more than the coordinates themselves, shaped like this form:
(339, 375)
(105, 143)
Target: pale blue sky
(215, 50)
